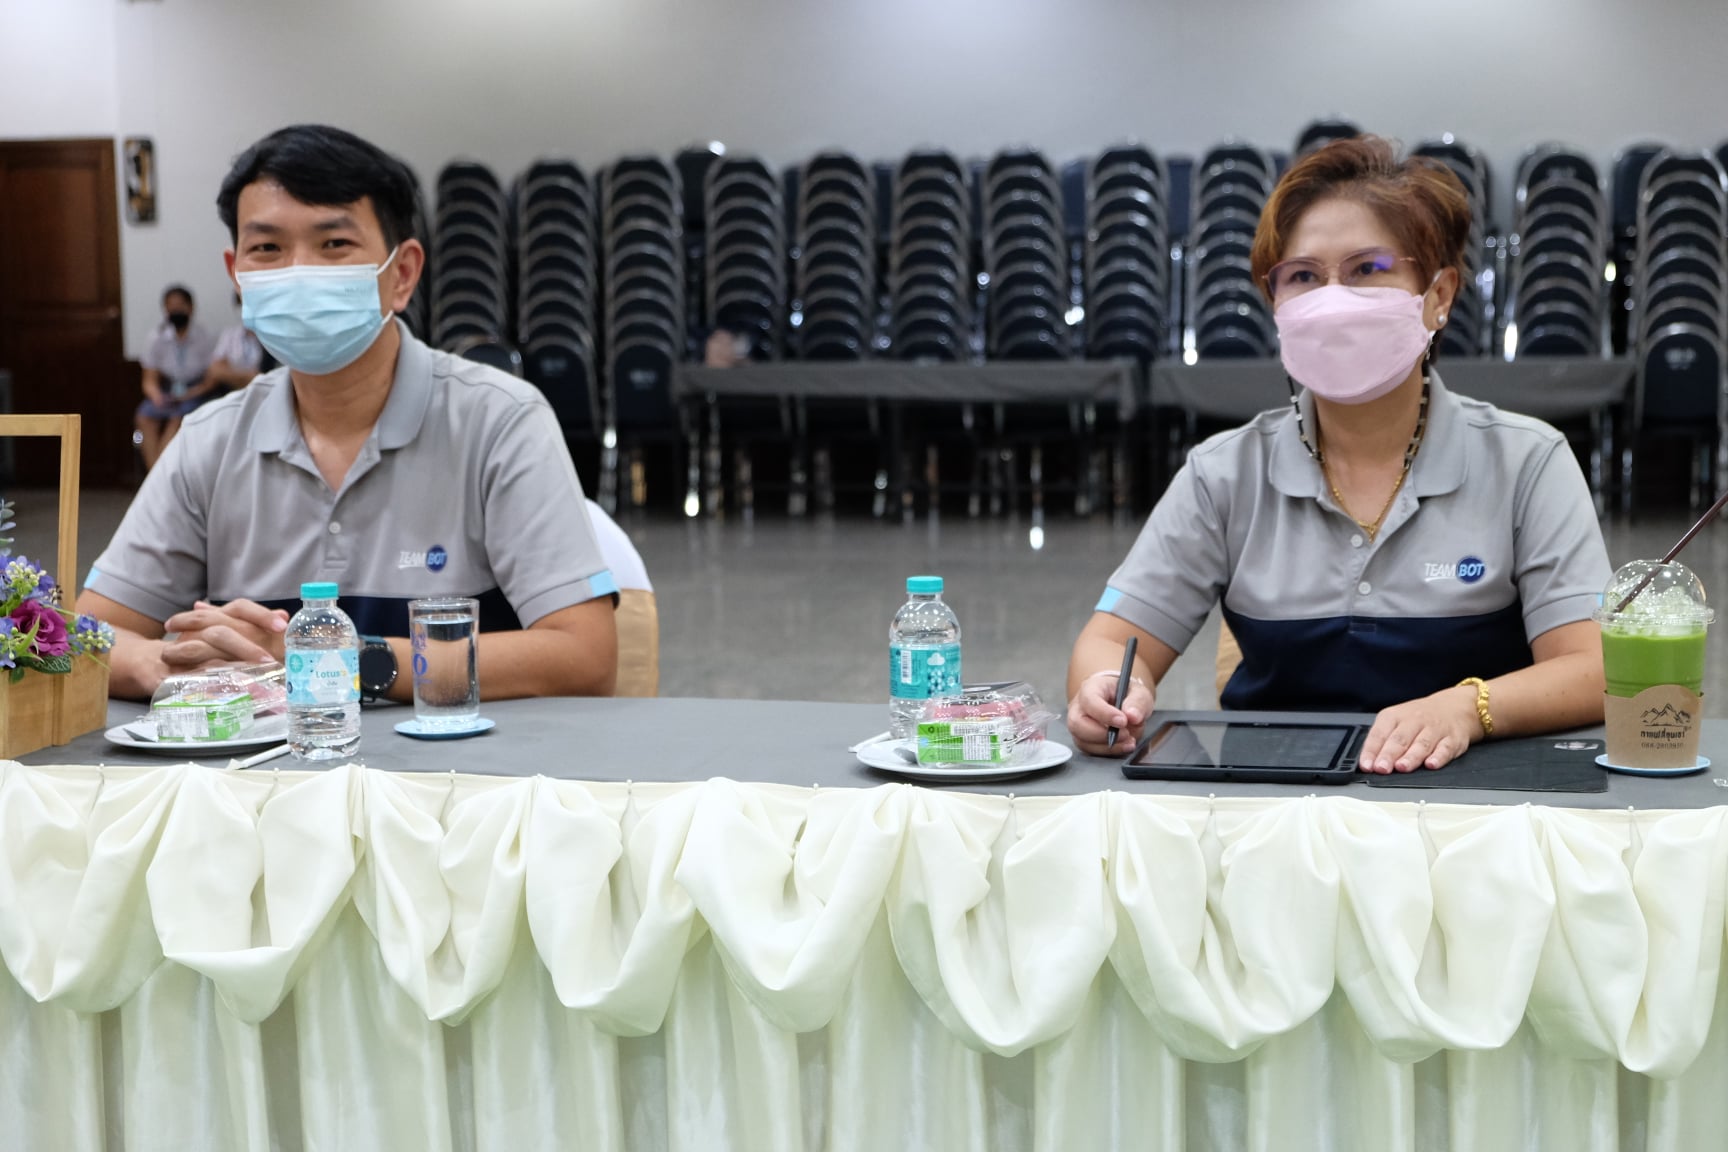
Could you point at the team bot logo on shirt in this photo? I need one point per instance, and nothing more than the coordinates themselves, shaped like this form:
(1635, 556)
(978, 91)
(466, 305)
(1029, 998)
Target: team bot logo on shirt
(434, 558)
(1469, 570)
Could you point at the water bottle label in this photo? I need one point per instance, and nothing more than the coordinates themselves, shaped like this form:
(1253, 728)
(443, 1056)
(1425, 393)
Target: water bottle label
(923, 673)
(321, 679)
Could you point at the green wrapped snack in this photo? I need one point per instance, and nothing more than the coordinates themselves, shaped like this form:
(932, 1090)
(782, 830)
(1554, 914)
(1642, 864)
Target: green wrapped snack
(198, 717)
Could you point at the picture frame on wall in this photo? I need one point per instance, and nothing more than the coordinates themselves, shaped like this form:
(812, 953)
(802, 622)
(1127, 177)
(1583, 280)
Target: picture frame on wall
(140, 164)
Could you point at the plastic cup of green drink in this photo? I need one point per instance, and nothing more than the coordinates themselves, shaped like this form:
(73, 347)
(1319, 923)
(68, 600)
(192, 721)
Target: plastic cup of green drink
(1654, 644)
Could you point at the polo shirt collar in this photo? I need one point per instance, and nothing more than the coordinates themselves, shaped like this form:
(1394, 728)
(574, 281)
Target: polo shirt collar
(276, 427)
(1439, 466)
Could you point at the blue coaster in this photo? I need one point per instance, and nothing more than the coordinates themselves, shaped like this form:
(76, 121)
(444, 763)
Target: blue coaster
(413, 728)
(1703, 763)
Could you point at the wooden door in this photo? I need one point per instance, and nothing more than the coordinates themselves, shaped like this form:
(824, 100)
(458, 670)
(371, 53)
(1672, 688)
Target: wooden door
(60, 334)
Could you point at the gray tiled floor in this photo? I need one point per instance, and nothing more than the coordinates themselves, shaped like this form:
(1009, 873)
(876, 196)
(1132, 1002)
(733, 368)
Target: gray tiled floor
(800, 609)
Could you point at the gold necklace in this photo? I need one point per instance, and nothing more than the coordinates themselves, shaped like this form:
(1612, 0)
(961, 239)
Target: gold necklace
(1371, 528)
(1410, 450)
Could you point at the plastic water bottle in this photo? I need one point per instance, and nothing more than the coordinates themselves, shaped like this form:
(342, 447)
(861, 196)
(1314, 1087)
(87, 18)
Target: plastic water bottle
(322, 649)
(923, 653)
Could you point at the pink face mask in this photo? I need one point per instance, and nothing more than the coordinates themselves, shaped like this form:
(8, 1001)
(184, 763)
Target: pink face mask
(1351, 345)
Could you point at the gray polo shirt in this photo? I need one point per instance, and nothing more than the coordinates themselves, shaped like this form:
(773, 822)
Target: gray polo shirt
(1492, 542)
(463, 488)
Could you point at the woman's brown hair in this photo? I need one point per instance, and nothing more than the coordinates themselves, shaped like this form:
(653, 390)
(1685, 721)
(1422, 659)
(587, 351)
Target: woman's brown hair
(1420, 201)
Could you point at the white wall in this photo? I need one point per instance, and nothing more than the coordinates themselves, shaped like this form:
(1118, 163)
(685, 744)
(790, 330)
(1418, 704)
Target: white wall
(57, 68)
(506, 80)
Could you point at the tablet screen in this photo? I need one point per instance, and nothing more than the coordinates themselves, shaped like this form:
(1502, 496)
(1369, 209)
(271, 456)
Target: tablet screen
(1221, 744)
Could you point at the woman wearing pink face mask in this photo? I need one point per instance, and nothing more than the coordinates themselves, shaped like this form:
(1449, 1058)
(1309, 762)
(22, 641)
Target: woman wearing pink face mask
(1383, 545)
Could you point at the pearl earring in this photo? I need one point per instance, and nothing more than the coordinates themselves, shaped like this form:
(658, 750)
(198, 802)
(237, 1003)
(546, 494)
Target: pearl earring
(1441, 319)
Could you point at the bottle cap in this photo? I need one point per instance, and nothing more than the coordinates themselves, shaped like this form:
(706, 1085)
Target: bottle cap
(318, 591)
(924, 585)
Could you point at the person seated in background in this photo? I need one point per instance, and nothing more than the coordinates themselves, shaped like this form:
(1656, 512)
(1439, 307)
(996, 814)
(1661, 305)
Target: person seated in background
(175, 364)
(725, 348)
(237, 361)
(368, 459)
(1384, 546)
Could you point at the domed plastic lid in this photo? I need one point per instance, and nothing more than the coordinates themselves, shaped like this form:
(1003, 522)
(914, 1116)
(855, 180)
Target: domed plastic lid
(1673, 598)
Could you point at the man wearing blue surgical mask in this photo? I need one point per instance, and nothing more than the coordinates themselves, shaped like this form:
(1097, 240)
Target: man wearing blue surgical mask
(367, 459)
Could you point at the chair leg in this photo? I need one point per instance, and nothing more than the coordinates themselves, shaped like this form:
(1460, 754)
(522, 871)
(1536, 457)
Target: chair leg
(693, 471)
(798, 489)
(638, 479)
(743, 484)
(609, 472)
(1035, 475)
(713, 462)
(933, 478)
(980, 477)
(824, 468)
(1628, 479)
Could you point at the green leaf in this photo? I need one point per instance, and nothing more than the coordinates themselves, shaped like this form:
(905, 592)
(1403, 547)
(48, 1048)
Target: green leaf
(53, 665)
(17, 675)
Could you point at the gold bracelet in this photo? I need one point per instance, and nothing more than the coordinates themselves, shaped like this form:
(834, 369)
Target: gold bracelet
(1481, 687)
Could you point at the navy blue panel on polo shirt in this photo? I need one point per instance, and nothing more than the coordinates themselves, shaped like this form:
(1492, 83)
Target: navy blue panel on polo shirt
(1364, 664)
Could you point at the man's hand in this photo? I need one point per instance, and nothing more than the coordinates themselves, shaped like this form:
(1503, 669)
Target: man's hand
(1425, 733)
(1093, 711)
(241, 631)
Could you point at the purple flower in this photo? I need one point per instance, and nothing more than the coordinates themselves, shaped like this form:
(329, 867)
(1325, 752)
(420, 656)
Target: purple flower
(51, 639)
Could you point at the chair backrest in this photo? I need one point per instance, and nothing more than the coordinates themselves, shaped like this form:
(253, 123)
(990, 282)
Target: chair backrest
(637, 615)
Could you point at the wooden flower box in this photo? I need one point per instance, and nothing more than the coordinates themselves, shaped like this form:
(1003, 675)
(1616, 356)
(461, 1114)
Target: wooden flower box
(40, 709)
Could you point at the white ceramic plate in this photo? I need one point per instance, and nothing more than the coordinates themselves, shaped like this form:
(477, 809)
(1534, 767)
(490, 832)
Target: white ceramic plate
(883, 754)
(270, 730)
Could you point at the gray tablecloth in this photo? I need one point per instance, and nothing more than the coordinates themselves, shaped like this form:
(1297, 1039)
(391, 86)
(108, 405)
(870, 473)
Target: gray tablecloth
(805, 744)
(1103, 382)
(1553, 390)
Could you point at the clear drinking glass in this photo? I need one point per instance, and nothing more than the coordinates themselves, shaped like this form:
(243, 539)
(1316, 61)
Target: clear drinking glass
(445, 636)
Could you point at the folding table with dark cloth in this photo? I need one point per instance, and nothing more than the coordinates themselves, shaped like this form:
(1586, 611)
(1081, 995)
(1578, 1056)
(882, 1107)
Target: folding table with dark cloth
(700, 926)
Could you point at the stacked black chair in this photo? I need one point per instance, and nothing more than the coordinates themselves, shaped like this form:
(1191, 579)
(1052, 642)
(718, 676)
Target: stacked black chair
(834, 278)
(930, 279)
(645, 327)
(1680, 314)
(1320, 133)
(1127, 262)
(1627, 178)
(470, 258)
(746, 254)
(835, 305)
(745, 295)
(556, 293)
(1557, 293)
(1026, 258)
(1471, 324)
(1226, 316)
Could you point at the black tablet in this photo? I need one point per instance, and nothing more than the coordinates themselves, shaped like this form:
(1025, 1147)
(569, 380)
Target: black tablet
(1286, 753)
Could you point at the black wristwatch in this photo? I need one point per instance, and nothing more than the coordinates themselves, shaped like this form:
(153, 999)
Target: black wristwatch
(377, 668)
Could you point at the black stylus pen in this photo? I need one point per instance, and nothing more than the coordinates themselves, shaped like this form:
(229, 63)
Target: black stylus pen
(1122, 682)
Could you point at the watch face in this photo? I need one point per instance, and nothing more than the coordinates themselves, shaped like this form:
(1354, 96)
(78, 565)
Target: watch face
(377, 667)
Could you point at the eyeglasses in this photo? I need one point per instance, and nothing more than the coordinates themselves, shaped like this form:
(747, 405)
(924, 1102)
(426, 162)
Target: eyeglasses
(1369, 268)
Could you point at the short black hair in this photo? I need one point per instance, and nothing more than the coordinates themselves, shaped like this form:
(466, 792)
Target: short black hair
(317, 164)
(178, 290)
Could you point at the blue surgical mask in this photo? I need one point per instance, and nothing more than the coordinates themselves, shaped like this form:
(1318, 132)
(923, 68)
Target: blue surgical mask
(315, 318)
